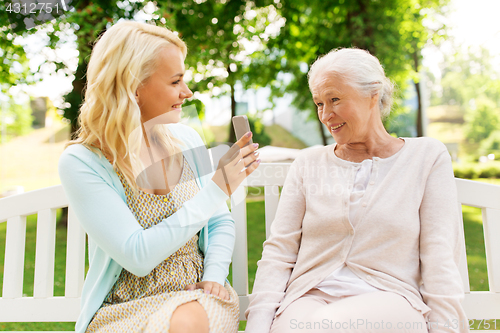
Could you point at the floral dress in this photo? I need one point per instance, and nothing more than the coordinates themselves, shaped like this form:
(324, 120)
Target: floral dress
(146, 304)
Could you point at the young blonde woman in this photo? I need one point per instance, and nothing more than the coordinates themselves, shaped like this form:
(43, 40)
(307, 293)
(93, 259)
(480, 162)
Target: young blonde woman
(160, 234)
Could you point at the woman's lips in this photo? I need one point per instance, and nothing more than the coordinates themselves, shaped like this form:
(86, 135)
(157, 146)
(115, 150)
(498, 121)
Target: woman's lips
(336, 127)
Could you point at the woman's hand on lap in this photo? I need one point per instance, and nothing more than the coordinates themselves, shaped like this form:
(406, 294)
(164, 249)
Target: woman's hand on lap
(210, 287)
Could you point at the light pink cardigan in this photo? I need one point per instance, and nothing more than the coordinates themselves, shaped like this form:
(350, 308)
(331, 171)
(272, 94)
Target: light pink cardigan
(407, 239)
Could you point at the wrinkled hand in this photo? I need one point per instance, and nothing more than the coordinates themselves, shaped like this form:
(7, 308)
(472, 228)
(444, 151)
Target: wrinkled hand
(210, 288)
(230, 173)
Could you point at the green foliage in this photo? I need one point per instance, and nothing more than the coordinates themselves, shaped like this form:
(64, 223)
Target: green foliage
(491, 145)
(391, 30)
(469, 75)
(22, 119)
(16, 118)
(200, 107)
(215, 32)
(477, 170)
(466, 171)
(481, 121)
(259, 134)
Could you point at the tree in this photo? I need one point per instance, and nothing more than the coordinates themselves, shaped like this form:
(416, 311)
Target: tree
(481, 120)
(391, 30)
(468, 75)
(215, 32)
(87, 21)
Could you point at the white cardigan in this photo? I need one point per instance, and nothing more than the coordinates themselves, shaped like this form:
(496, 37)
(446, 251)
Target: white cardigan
(406, 240)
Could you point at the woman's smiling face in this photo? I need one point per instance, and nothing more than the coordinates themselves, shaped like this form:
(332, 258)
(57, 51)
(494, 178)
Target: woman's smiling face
(165, 90)
(347, 115)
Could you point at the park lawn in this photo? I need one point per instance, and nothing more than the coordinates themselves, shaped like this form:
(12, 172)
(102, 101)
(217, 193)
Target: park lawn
(256, 236)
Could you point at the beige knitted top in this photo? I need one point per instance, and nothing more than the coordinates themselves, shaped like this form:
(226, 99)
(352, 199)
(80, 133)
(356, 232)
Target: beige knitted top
(407, 239)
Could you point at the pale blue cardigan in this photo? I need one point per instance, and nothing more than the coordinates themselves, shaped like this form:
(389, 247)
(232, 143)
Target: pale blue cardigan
(116, 240)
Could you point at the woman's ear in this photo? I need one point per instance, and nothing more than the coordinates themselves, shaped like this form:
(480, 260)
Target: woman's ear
(374, 100)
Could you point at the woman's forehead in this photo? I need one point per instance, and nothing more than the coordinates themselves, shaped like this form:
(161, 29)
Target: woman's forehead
(326, 84)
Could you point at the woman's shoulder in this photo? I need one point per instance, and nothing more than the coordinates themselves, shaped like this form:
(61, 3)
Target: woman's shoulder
(79, 153)
(427, 144)
(78, 150)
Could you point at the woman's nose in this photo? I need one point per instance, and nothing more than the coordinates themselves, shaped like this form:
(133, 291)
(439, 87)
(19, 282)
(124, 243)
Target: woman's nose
(186, 92)
(326, 114)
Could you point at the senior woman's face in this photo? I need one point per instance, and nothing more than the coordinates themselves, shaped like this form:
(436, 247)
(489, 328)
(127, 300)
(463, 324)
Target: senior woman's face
(165, 90)
(348, 115)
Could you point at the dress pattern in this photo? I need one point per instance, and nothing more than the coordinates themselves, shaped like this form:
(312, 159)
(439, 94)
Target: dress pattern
(146, 304)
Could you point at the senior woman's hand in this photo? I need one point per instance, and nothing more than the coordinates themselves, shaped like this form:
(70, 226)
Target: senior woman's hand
(230, 171)
(210, 288)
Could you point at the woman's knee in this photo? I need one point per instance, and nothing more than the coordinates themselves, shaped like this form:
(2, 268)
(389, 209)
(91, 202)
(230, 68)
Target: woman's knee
(371, 312)
(189, 317)
(295, 318)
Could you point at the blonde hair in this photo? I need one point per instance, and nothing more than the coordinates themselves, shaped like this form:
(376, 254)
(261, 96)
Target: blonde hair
(361, 70)
(110, 119)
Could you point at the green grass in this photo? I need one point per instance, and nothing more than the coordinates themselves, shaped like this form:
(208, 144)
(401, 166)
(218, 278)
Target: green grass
(256, 236)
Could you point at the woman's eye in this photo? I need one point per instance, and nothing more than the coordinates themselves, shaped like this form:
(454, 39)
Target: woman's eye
(335, 99)
(176, 82)
(319, 105)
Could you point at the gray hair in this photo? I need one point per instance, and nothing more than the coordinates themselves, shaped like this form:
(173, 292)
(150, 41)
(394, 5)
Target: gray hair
(361, 70)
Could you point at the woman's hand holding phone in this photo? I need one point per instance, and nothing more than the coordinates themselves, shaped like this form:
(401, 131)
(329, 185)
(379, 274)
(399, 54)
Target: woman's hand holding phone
(230, 171)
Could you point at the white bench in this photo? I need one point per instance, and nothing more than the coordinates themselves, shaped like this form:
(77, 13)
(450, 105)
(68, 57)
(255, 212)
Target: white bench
(44, 307)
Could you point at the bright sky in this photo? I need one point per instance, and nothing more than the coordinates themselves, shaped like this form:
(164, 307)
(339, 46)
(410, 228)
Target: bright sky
(473, 23)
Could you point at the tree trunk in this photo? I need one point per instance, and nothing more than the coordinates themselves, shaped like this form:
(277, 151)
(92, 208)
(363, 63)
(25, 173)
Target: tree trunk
(321, 131)
(85, 41)
(232, 136)
(420, 126)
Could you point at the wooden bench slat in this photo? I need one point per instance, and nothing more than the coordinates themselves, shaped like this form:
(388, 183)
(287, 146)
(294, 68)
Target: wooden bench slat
(45, 254)
(268, 174)
(75, 256)
(272, 197)
(244, 301)
(240, 258)
(482, 305)
(14, 257)
(30, 309)
(32, 202)
(491, 227)
(462, 266)
(477, 194)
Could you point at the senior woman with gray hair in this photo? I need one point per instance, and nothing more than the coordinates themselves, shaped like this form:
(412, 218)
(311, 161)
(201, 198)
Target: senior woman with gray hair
(366, 233)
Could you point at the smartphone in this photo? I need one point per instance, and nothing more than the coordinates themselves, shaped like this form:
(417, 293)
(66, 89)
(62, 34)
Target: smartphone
(241, 126)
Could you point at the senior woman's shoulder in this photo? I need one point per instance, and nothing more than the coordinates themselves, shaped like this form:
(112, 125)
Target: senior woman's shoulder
(426, 143)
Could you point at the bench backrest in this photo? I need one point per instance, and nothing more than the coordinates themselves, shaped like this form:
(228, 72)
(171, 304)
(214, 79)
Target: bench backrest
(44, 307)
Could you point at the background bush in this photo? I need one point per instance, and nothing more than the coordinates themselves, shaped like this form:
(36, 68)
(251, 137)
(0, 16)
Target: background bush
(477, 170)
